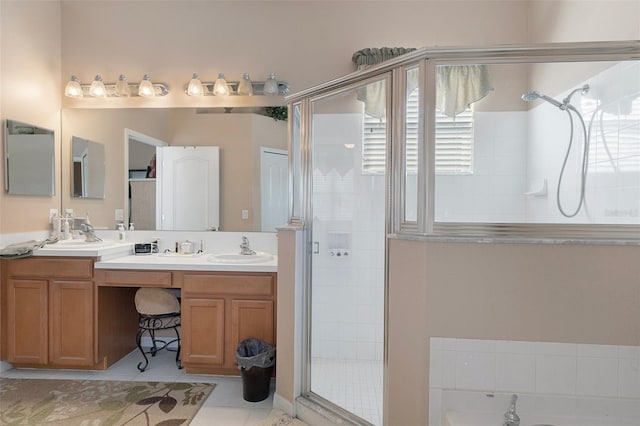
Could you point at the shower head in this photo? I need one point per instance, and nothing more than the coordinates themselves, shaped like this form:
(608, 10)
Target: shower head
(530, 96)
(584, 89)
(533, 95)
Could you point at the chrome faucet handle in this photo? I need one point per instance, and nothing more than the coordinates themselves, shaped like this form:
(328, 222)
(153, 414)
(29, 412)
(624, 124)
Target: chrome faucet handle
(510, 417)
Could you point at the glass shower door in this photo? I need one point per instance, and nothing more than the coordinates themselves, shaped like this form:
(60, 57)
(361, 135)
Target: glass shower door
(347, 289)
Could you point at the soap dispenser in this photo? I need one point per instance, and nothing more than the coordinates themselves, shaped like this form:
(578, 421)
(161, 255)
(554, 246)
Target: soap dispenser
(122, 235)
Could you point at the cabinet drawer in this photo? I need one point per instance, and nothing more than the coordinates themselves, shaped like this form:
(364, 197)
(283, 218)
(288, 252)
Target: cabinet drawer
(210, 284)
(51, 267)
(121, 278)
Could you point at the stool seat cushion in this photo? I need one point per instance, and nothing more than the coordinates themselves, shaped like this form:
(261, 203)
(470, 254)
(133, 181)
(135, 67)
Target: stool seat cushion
(156, 301)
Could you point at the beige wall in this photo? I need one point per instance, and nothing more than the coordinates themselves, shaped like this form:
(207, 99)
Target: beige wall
(305, 43)
(30, 63)
(531, 292)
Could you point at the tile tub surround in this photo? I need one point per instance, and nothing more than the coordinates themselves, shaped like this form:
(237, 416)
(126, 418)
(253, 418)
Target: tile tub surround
(553, 379)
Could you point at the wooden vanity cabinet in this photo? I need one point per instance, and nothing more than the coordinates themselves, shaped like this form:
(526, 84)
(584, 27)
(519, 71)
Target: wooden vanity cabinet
(49, 311)
(219, 310)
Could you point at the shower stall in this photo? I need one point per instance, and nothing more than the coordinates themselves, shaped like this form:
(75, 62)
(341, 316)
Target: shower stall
(510, 142)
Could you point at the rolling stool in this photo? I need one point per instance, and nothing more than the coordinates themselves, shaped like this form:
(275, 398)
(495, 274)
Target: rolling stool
(158, 309)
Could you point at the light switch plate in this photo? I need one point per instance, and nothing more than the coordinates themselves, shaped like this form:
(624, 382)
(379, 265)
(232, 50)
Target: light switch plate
(119, 215)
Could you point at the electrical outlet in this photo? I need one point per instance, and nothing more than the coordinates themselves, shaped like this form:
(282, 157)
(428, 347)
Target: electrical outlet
(245, 214)
(52, 213)
(68, 212)
(119, 215)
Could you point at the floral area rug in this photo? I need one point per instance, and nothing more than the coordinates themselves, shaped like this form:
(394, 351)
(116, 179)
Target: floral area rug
(99, 403)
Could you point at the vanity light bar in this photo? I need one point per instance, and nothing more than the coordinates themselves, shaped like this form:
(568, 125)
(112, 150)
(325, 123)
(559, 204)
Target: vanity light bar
(258, 88)
(161, 89)
(74, 87)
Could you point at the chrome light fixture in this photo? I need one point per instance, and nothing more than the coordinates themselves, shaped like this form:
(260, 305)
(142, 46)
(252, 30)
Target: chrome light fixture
(220, 87)
(146, 88)
(245, 87)
(271, 85)
(122, 87)
(97, 89)
(195, 87)
(73, 88)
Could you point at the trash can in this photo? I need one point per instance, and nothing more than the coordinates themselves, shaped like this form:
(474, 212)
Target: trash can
(255, 359)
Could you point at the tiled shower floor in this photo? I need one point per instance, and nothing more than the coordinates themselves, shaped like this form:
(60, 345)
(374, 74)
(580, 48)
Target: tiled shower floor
(353, 385)
(224, 406)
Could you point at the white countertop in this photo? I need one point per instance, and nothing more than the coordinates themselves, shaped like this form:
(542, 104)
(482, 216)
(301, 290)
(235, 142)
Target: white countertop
(160, 262)
(78, 248)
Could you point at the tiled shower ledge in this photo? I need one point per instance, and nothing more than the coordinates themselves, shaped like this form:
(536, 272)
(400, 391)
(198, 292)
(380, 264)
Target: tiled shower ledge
(514, 240)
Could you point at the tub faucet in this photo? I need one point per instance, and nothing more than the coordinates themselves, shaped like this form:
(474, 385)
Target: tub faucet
(244, 247)
(510, 417)
(89, 233)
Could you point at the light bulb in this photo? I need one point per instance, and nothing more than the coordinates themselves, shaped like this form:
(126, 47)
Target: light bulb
(195, 86)
(245, 87)
(271, 85)
(97, 89)
(73, 88)
(146, 89)
(220, 87)
(122, 87)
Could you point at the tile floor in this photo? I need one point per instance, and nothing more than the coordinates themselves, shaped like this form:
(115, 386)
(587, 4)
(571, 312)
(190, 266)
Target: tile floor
(224, 406)
(353, 385)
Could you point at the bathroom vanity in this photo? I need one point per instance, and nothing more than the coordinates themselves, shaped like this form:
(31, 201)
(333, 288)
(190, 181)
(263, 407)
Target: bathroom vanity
(76, 309)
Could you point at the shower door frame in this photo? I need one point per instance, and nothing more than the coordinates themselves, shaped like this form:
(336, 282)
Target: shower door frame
(307, 172)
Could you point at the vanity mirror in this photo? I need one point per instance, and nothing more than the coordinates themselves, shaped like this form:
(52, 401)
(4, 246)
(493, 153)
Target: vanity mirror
(87, 168)
(252, 160)
(29, 156)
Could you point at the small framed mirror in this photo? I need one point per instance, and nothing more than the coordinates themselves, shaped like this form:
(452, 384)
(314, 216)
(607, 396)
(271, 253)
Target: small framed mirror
(29, 156)
(87, 168)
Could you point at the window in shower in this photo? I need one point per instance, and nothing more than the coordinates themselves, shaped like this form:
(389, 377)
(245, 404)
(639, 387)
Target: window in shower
(553, 143)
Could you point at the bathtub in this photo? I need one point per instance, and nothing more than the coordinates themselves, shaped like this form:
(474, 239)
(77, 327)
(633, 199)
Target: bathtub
(497, 419)
(468, 408)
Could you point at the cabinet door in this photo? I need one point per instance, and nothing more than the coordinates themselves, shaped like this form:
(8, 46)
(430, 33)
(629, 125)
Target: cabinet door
(203, 331)
(251, 318)
(27, 321)
(71, 322)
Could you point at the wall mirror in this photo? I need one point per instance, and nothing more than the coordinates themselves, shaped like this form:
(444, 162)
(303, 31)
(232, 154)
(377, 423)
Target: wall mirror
(29, 155)
(243, 135)
(87, 168)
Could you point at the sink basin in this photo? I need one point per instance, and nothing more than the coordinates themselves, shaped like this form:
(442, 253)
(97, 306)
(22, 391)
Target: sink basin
(72, 244)
(240, 258)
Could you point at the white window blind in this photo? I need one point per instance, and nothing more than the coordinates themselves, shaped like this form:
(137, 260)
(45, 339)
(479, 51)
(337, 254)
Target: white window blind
(454, 141)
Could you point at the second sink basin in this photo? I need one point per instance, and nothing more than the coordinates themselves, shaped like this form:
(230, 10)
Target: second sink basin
(259, 257)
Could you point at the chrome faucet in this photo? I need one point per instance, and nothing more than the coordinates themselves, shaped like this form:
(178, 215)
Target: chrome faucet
(510, 417)
(244, 247)
(89, 233)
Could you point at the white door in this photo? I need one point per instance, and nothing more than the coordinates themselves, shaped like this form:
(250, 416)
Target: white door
(274, 191)
(188, 185)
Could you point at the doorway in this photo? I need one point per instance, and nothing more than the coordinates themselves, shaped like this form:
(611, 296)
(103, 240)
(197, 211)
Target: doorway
(274, 188)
